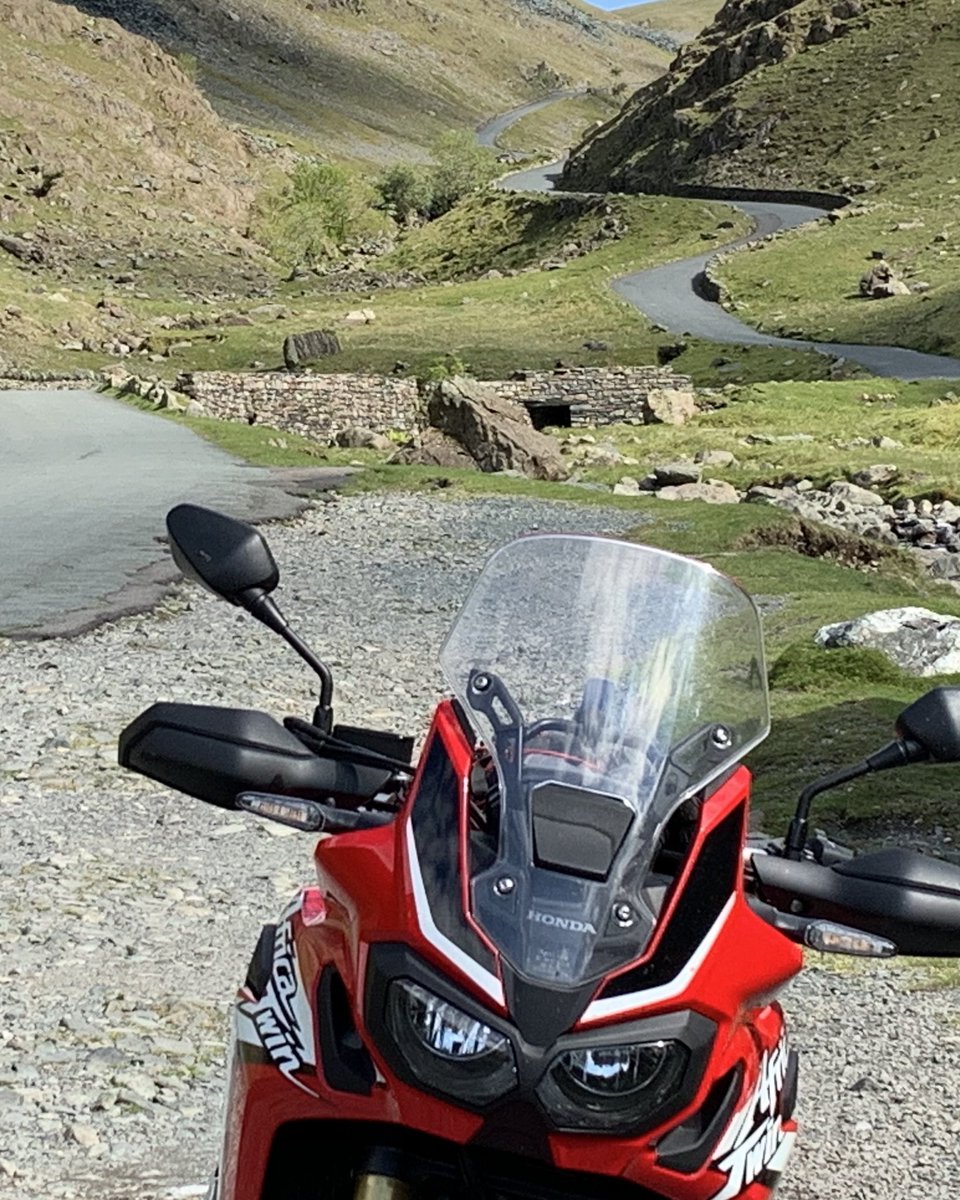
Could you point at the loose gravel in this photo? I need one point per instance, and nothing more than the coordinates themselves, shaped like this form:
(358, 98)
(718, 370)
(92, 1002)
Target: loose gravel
(127, 913)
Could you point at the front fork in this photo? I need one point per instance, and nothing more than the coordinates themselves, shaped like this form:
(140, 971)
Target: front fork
(382, 1177)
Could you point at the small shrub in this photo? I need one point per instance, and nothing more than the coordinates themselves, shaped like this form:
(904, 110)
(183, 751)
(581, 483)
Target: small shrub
(806, 667)
(461, 167)
(406, 191)
(445, 368)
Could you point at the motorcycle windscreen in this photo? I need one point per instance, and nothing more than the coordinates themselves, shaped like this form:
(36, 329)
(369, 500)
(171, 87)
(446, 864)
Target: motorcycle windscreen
(610, 681)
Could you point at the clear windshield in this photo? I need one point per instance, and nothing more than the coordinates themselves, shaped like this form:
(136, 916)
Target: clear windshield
(610, 682)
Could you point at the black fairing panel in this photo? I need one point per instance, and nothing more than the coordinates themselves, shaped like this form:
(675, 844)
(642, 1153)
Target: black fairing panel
(910, 898)
(540, 1013)
(214, 753)
(435, 821)
(710, 885)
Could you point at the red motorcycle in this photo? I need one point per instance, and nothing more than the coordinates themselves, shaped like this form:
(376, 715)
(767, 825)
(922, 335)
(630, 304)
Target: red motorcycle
(542, 962)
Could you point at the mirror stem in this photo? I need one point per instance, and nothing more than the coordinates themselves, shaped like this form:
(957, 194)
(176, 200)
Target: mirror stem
(262, 606)
(895, 754)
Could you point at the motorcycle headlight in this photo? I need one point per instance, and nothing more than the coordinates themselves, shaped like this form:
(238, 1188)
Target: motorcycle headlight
(447, 1049)
(612, 1088)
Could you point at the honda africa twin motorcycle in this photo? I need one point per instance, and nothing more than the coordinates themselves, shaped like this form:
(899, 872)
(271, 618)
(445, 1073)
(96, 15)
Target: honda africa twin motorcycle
(543, 961)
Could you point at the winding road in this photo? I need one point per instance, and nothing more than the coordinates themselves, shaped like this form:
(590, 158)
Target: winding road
(669, 295)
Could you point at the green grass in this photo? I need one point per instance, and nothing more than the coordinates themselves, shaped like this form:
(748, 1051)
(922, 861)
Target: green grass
(806, 282)
(532, 319)
(827, 711)
(527, 320)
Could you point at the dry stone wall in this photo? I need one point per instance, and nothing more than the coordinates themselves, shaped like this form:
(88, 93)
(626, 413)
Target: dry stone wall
(322, 405)
(598, 395)
(316, 405)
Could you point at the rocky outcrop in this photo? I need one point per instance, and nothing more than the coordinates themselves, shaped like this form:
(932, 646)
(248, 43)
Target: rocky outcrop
(917, 640)
(691, 126)
(433, 449)
(496, 432)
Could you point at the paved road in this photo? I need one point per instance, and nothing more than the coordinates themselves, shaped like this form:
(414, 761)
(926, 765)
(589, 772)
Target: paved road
(489, 132)
(668, 295)
(85, 482)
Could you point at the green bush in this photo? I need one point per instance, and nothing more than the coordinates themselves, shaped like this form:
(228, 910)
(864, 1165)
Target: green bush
(406, 191)
(460, 167)
(318, 209)
(805, 667)
(446, 367)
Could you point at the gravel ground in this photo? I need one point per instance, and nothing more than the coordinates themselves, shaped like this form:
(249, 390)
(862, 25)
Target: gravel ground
(127, 914)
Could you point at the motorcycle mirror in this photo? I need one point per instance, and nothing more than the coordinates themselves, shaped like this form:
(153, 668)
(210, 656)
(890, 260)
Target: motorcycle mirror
(933, 722)
(226, 556)
(232, 560)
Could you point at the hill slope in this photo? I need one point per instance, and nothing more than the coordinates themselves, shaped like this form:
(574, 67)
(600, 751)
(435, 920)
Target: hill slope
(114, 146)
(377, 80)
(683, 19)
(790, 93)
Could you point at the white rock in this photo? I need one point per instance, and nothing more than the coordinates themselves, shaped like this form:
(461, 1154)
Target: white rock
(917, 640)
(84, 1135)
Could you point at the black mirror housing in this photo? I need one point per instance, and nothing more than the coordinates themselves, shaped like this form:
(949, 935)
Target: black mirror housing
(933, 721)
(226, 556)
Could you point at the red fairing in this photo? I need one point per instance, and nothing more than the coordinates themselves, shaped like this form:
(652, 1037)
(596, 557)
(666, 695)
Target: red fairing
(317, 979)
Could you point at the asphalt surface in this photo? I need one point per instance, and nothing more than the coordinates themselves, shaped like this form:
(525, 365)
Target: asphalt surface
(85, 483)
(488, 133)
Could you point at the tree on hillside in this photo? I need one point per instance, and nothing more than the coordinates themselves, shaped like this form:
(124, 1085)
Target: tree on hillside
(406, 191)
(320, 207)
(461, 166)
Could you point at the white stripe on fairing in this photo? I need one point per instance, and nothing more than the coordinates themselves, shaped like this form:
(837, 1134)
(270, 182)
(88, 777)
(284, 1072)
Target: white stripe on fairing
(779, 1161)
(480, 976)
(617, 1005)
(244, 1028)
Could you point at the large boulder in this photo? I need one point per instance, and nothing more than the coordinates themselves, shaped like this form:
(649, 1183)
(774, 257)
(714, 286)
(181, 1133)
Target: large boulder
(358, 437)
(917, 640)
(881, 282)
(669, 406)
(497, 432)
(711, 491)
(302, 348)
(434, 449)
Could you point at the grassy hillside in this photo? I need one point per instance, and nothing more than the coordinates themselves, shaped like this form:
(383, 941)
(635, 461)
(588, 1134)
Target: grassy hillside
(487, 301)
(551, 131)
(377, 80)
(115, 169)
(859, 97)
(683, 18)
